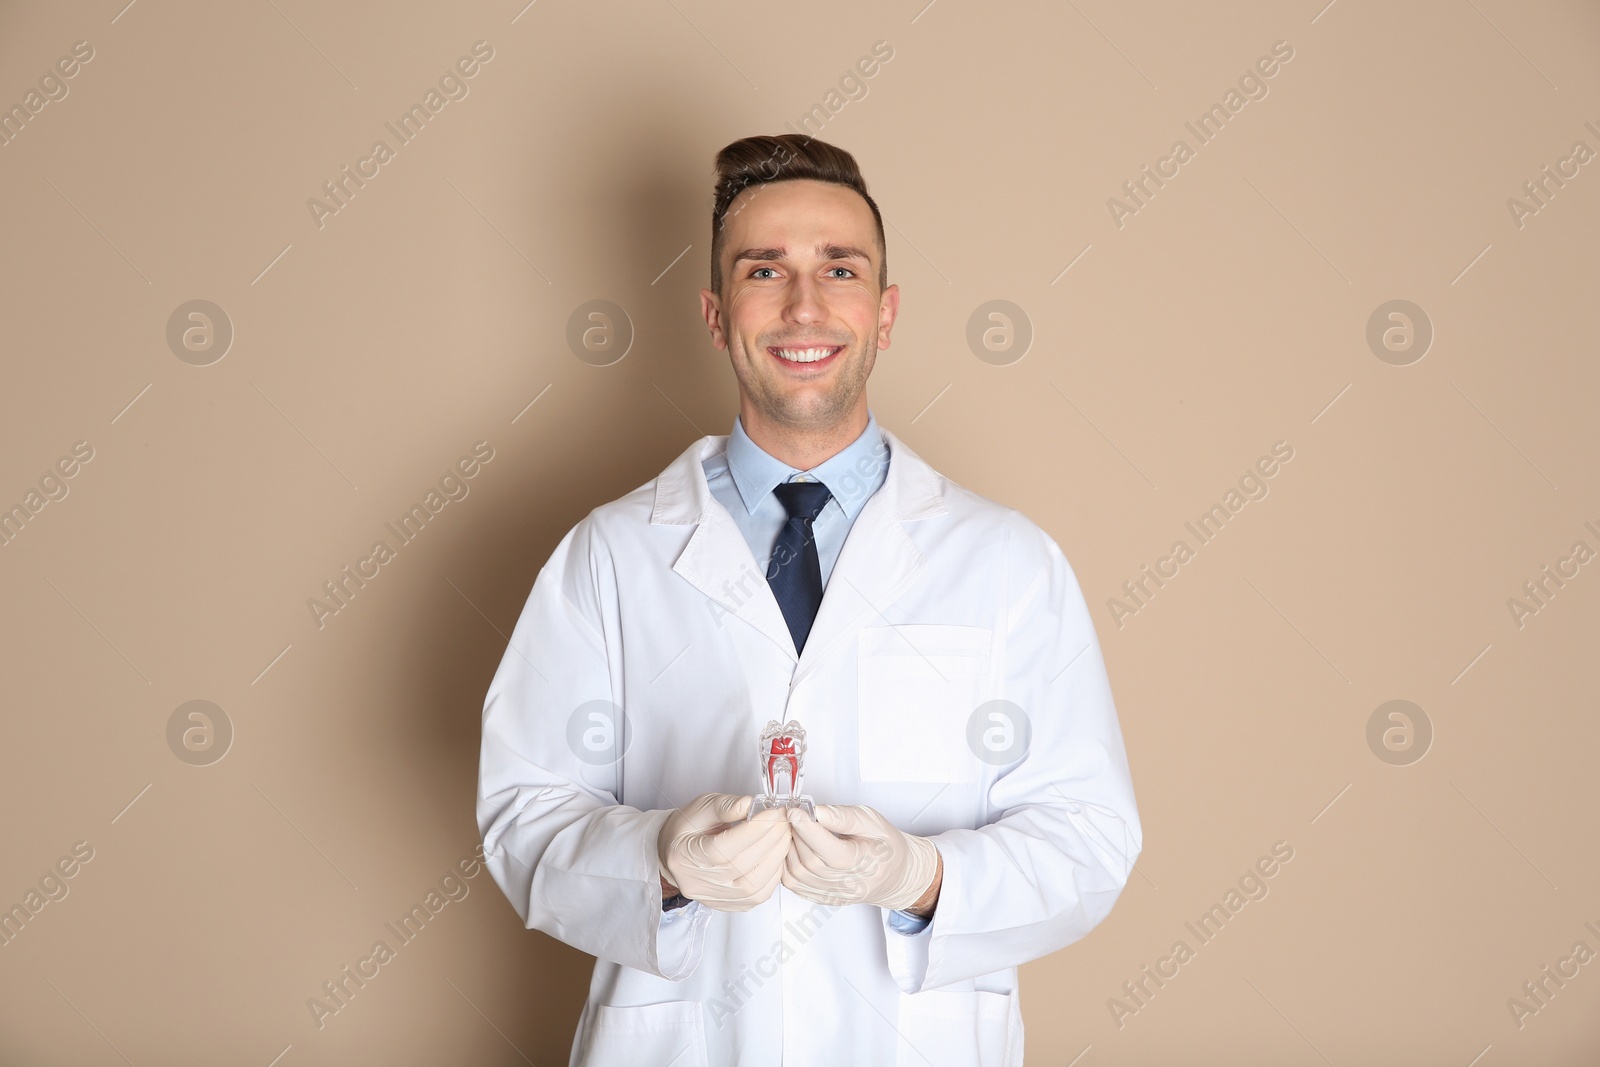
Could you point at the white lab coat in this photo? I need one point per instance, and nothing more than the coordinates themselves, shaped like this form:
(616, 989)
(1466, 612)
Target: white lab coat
(940, 600)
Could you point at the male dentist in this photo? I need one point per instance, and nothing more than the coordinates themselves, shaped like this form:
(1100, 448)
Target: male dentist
(975, 809)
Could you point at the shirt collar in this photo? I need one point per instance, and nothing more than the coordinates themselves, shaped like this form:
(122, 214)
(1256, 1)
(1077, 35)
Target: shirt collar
(852, 474)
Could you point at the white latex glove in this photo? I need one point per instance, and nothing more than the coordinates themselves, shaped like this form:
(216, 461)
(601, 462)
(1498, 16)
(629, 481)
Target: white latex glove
(712, 854)
(851, 854)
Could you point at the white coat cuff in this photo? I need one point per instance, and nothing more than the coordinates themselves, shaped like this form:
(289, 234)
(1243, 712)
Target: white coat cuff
(680, 937)
(907, 952)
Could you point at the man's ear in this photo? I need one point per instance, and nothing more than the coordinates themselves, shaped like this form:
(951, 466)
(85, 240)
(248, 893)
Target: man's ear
(711, 309)
(888, 309)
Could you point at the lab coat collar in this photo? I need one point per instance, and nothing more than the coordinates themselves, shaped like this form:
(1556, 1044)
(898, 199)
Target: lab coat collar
(877, 564)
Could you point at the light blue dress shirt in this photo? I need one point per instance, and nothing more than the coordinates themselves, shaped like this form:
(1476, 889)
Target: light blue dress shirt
(742, 479)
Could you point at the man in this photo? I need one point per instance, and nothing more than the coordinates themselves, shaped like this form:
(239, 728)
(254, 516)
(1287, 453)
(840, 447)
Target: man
(974, 803)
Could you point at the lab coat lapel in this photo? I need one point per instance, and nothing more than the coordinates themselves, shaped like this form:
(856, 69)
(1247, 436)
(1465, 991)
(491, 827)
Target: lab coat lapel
(878, 563)
(717, 560)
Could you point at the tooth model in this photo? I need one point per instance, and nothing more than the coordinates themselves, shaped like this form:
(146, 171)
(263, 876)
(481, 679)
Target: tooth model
(781, 754)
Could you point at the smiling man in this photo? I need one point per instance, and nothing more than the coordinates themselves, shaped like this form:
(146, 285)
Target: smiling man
(803, 312)
(975, 805)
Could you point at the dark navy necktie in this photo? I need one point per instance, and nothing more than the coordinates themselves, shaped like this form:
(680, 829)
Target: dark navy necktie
(794, 572)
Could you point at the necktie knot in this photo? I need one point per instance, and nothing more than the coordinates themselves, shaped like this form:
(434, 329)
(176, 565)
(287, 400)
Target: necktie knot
(803, 500)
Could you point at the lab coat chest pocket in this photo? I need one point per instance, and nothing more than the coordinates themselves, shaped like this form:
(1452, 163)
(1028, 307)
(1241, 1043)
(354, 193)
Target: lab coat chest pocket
(671, 1032)
(917, 684)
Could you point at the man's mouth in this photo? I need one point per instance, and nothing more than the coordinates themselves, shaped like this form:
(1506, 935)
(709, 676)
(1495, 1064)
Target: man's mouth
(808, 356)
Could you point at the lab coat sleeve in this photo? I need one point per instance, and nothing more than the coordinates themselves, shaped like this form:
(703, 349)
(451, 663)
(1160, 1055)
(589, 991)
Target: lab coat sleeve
(1063, 830)
(575, 863)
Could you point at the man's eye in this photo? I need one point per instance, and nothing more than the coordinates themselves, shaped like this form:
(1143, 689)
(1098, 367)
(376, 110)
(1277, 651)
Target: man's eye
(847, 270)
(758, 270)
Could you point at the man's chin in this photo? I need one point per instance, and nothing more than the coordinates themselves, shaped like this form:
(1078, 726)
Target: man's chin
(811, 410)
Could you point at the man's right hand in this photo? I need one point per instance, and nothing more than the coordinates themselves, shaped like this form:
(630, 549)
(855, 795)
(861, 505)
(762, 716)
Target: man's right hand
(712, 854)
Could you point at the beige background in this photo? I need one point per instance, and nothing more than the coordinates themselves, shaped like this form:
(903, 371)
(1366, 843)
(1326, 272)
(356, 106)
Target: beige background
(1229, 313)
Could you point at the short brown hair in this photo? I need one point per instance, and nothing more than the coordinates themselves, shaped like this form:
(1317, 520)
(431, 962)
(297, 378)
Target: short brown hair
(785, 157)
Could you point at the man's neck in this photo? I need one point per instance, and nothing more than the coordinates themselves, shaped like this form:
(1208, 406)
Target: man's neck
(804, 449)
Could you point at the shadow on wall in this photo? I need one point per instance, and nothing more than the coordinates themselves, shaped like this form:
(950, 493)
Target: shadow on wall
(646, 193)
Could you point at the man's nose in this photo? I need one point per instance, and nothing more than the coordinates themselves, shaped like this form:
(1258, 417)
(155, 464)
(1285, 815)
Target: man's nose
(805, 302)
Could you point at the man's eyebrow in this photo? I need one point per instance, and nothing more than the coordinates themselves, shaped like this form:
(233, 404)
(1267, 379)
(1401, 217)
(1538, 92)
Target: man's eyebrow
(759, 254)
(843, 252)
(828, 252)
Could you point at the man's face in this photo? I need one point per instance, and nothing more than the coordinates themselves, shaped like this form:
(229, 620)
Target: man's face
(800, 266)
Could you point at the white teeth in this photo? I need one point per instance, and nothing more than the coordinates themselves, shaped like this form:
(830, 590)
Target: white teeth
(804, 355)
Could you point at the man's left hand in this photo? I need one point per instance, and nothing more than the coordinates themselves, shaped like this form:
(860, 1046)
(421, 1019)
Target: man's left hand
(851, 854)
